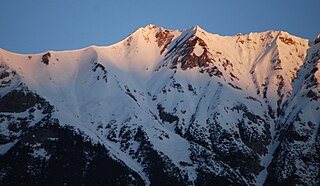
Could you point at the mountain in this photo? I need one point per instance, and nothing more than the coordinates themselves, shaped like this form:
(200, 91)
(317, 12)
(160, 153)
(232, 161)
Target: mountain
(164, 107)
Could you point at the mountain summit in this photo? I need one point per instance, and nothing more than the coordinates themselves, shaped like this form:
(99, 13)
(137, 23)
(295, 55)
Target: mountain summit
(164, 107)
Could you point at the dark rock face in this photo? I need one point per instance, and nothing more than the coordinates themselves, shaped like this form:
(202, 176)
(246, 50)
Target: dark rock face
(206, 178)
(24, 103)
(20, 101)
(191, 60)
(164, 116)
(46, 58)
(57, 156)
(160, 169)
(296, 161)
(163, 39)
(317, 40)
(99, 67)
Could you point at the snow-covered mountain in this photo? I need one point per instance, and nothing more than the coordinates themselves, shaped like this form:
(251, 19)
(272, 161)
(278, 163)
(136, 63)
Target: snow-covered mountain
(164, 107)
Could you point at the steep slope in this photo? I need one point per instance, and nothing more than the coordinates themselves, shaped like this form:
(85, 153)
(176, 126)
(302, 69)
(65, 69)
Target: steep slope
(296, 159)
(176, 107)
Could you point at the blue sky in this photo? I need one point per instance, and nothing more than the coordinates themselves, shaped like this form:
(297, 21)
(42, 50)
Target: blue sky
(33, 26)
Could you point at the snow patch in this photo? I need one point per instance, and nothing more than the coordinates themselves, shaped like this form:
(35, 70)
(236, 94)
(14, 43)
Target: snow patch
(40, 153)
(5, 147)
(198, 50)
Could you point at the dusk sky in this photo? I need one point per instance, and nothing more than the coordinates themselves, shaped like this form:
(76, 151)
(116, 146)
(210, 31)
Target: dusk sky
(35, 26)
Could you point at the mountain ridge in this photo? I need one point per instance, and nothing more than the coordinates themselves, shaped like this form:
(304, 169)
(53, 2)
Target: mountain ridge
(159, 28)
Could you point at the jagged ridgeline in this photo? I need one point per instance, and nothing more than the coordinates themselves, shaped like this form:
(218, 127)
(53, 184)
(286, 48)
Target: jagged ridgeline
(164, 107)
